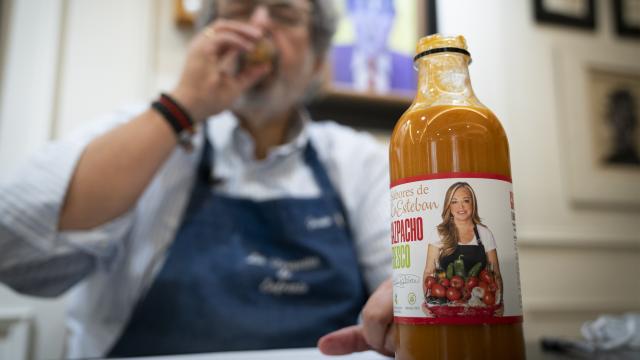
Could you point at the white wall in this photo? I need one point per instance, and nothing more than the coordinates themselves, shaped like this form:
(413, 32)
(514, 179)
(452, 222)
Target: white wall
(29, 79)
(66, 62)
(108, 59)
(26, 107)
(70, 60)
(4, 29)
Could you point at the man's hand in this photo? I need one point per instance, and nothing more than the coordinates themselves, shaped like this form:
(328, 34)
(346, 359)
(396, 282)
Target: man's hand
(209, 83)
(375, 333)
(116, 168)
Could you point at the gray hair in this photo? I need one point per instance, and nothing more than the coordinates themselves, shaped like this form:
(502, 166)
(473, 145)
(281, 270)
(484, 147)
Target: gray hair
(324, 19)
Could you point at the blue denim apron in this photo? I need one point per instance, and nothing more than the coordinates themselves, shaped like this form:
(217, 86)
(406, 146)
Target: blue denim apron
(244, 274)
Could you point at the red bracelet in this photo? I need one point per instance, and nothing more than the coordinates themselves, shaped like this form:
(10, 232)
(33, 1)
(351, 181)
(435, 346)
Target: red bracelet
(177, 117)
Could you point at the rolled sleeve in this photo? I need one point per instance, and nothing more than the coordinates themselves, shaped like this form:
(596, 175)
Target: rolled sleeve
(30, 202)
(35, 258)
(74, 255)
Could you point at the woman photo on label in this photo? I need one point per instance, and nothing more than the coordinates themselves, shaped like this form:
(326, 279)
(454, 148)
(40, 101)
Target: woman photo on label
(462, 262)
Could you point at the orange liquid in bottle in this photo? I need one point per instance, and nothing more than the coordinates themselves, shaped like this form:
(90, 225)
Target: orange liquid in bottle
(450, 138)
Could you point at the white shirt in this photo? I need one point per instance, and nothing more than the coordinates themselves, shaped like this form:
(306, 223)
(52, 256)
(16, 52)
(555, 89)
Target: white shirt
(111, 266)
(486, 236)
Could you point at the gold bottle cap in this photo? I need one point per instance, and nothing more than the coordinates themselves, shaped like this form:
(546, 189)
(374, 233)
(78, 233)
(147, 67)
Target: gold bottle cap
(438, 43)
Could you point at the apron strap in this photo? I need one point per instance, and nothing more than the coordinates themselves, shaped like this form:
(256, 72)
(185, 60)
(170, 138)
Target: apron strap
(319, 171)
(475, 230)
(206, 160)
(322, 179)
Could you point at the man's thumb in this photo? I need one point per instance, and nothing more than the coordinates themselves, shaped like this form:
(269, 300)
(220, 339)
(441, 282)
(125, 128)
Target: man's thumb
(344, 341)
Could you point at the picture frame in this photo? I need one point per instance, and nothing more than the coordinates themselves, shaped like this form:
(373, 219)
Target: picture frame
(371, 56)
(579, 14)
(615, 97)
(627, 18)
(596, 93)
(185, 12)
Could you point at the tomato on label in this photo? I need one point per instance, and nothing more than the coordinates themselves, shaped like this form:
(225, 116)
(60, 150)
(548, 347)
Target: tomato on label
(485, 276)
(457, 282)
(429, 282)
(438, 291)
(445, 282)
(489, 298)
(472, 282)
(484, 285)
(453, 294)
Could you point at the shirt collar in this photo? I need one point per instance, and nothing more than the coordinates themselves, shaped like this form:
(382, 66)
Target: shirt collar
(228, 137)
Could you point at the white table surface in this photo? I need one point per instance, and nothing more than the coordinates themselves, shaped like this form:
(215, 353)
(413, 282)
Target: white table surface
(288, 354)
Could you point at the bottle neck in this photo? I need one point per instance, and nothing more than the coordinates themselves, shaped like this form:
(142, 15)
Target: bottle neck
(443, 79)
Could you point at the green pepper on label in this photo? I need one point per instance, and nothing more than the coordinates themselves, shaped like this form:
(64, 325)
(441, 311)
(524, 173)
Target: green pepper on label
(458, 267)
(475, 269)
(450, 271)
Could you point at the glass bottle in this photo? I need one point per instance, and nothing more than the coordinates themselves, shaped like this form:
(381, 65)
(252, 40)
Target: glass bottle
(448, 138)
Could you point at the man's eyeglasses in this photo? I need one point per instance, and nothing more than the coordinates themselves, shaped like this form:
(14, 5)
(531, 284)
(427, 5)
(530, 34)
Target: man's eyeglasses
(284, 12)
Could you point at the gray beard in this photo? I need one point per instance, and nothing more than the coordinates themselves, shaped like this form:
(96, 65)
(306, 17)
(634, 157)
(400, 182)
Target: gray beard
(259, 95)
(254, 100)
(264, 98)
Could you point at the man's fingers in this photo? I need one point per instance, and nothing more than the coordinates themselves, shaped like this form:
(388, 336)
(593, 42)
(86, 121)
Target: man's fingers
(344, 341)
(222, 41)
(227, 63)
(377, 316)
(389, 341)
(377, 331)
(246, 30)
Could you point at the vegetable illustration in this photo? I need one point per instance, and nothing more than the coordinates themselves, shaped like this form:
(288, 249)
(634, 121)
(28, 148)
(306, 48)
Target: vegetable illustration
(458, 267)
(450, 271)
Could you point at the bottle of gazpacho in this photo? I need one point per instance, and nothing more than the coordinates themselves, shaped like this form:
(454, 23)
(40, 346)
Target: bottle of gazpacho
(455, 265)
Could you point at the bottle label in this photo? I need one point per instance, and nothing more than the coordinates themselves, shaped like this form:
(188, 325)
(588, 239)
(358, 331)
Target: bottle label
(453, 238)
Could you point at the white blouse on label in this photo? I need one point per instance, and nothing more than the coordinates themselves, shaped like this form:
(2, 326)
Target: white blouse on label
(486, 236)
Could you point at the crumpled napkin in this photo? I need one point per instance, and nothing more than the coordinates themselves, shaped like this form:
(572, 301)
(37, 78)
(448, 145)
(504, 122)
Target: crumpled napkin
(613, 332)
(610, 337)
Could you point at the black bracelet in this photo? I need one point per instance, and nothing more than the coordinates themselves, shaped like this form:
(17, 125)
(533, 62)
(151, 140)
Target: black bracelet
(177, 117)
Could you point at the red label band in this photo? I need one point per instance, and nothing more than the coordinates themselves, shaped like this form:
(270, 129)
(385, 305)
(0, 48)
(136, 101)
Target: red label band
(451, 175)
(467, 320)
